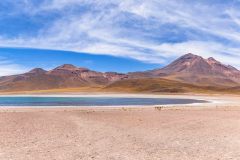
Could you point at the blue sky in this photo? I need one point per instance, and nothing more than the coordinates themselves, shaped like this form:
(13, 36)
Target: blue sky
(49, 59)
(115, 35)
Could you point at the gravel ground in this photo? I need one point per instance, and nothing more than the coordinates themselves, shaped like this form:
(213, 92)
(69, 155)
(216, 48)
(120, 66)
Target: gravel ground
(120, 134)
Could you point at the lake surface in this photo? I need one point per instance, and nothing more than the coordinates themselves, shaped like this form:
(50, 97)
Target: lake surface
(90, 101)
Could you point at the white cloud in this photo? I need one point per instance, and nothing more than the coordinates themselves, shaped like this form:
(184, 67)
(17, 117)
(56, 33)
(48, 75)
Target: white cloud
(139, 29)
(9, 68)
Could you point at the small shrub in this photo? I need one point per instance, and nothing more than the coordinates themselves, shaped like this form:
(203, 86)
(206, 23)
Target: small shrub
(159, 108)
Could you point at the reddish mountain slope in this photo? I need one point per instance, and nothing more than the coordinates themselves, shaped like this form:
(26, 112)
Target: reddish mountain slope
(194, 69)
(186, 74)
(64, 76)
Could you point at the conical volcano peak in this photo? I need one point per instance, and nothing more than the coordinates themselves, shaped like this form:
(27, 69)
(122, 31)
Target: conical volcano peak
(37, 70)
(212, 60)
(67, 66)
(195, 69)
(190, 55)
(189, 58)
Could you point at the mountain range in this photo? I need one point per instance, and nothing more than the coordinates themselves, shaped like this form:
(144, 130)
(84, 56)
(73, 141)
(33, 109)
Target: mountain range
(195, 69)
(189, 73)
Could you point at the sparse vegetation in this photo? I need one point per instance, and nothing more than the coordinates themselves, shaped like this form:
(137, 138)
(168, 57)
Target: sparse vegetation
(160, 85)
(159, 108)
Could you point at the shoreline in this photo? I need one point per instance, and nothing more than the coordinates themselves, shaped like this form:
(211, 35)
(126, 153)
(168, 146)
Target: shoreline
(115, 96)
(212, 101)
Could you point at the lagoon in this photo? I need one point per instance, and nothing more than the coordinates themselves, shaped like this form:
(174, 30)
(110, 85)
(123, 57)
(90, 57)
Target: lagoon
(92, 101)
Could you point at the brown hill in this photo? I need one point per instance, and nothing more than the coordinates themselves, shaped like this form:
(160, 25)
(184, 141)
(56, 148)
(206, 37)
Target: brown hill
(189, 73)
(160, 85)
(65, 76)
(194, 69)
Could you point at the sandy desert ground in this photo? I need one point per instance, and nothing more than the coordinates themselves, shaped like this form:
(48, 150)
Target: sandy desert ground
(177, 133)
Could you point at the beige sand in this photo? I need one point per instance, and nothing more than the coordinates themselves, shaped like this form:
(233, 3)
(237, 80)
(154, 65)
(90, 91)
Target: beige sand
(190, 133)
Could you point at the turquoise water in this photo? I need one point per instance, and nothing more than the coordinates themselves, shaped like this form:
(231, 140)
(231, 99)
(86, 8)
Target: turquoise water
(90, 101)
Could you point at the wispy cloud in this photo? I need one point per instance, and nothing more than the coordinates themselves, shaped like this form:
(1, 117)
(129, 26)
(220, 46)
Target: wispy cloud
(151, 31)
(7, 67)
